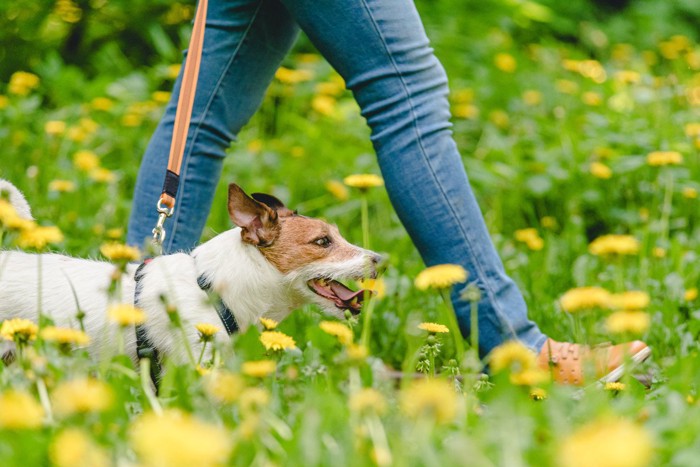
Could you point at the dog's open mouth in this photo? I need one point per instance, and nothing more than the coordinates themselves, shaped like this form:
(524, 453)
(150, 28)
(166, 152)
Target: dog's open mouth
(343, 297)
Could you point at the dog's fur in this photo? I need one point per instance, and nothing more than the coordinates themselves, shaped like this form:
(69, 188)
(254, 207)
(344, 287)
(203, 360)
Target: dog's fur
(262, 268)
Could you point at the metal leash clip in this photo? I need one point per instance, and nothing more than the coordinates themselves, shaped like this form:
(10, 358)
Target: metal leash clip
(159, 229)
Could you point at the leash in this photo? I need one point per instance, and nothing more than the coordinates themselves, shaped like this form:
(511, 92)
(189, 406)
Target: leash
(145, 348)
(166, 203)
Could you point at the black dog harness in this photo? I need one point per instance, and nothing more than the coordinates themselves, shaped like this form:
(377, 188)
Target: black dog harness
(145, 347)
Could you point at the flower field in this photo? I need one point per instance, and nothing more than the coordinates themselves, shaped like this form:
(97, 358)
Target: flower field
(579, 128)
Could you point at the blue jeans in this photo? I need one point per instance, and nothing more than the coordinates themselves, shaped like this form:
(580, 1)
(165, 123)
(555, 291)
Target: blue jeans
(381, 50)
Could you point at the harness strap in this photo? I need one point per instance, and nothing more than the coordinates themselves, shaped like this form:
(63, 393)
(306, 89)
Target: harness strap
(224, 312)
(145, 347)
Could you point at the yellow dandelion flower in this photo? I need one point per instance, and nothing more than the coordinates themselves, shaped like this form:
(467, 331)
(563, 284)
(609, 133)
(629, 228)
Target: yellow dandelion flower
(591, 98)
(433, 399)
(499, 118)
(7, 211)
(126, 315)
(206, 331)
(505, 62)
(523, 235)
(615, 386)
(658, 252)
(161, 97)
(65, 336)
(19, 410)
(433, 328)
(585, 298)
(627, 77)
(339, 330)
(224, 386)
(18, 329)
(77, 134)
(38, 237)
(531, 238)
(61, 186)
(566, 86)
(363, 181)
(661, 158)
(512, 356)
(325, 105)
(289, 76)
(532, 97)
(377, 286)
(268, 324)
(548, 222)
(337, 189)
(630, 300)
(689, 192)
(692, 130)
(177, 438)
(102, 175)
(86, 395)
(607, 443)
(468, 111)
(538, 394)
(73, 447)
(173, 70)
(330, 88)
(86, 161)
(18, 224)
(614, 245)
(119, 252)
(22, 83)
(357, 352)
(4, 101)
(114, 233)
(440, 276)
(628, 322)
(600, 170)
(297, 151)
(368, 400)
(259, 368)
(253, 400)
(102, 103)
(275, 340)
(55, 127)
(132, 120)
(529, 377)
(690, 294)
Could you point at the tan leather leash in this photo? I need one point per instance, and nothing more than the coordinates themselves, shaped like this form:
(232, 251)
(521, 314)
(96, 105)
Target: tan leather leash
(183, 114)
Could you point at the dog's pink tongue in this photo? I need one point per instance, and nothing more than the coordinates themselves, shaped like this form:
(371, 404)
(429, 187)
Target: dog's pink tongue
(344, 293)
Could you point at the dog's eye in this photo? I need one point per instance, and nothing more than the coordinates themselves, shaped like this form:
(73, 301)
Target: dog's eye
(324, 242)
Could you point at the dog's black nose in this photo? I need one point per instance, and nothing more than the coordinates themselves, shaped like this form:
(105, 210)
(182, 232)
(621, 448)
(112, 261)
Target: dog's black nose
(378, 263)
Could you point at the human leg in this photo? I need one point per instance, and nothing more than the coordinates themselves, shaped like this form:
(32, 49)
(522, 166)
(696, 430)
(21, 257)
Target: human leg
(244, 43)
(381, 50)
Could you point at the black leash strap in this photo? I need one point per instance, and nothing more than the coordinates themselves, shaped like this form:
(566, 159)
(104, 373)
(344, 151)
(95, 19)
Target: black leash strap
(146, 349)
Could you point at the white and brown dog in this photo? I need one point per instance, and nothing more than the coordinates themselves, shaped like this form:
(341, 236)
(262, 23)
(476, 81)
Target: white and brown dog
(274, 262)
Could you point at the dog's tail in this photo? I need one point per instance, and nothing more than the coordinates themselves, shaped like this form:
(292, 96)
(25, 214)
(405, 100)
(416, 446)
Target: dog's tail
(16, 198)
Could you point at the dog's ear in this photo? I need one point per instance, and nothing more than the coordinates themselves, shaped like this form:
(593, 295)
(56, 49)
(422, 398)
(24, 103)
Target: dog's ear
(259, 222)
(274, 203)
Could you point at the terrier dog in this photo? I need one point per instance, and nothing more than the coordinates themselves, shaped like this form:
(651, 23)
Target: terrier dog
(274, 262)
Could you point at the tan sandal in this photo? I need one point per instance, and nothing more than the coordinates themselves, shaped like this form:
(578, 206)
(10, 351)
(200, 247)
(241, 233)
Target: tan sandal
(568, 363)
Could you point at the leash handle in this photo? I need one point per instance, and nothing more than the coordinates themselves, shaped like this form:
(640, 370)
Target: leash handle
(183, 114)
